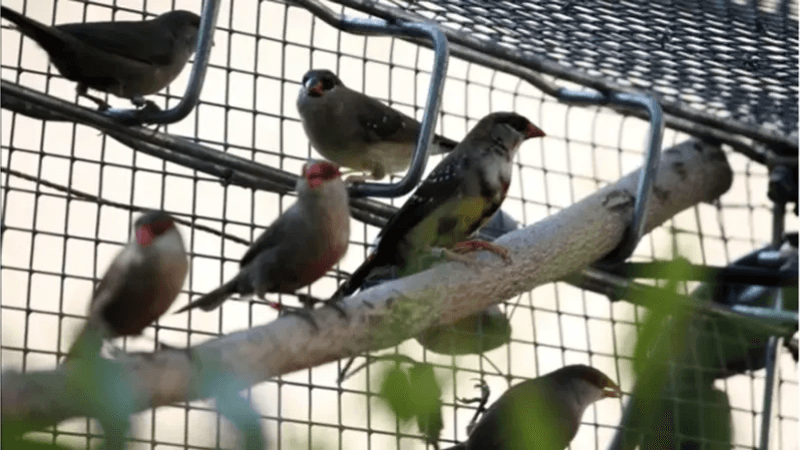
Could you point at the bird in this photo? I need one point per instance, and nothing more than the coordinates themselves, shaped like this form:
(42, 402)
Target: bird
(129, 59)
(541, 414)
(140, 285)
(458, 197)
(357, 131)
(299, 247)
(475, 334)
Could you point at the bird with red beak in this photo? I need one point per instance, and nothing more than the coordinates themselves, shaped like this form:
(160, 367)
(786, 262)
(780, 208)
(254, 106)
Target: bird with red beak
(299, 247)
(357, 131)
(138, 287)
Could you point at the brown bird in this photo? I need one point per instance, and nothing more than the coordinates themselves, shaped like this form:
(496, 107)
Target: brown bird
(138, 287)
(129, 59)
(299, 247)
(541, 414)
(356, 130)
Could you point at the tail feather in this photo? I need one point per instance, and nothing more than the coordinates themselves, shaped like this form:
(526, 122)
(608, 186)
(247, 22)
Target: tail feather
(443, 145)
(44, 35)
(87, 345)
(461, 446)
(358, 277)
(214, 298)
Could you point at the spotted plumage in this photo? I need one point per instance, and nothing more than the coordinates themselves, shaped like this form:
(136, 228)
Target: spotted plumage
(355, 130)
(461, 193)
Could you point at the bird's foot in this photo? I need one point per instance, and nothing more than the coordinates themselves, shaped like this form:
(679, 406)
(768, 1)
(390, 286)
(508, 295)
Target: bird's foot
(335, 303)
(481, 401)
(302, 312)
(470, 246)
(439, 252)
(83, 91)
(309, 301)
(102, 105)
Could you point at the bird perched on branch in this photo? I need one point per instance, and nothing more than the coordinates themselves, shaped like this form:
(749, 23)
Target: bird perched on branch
(129, 59)
(139, 286)
(461, 193)
(541, 414)
(299, 247)
(357, 131)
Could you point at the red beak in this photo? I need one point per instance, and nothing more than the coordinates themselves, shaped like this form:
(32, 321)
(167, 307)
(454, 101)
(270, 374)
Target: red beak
(534, 131)
(315, 90)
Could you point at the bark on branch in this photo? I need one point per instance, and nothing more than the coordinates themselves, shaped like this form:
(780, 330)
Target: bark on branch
(390, 313)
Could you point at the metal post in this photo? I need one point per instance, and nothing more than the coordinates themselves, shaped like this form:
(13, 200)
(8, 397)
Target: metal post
(429, 30)
(778, 214)
(205, 40)
(651, 158)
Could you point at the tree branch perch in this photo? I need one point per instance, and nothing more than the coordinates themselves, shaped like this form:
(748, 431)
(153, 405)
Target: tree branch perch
(385, 315)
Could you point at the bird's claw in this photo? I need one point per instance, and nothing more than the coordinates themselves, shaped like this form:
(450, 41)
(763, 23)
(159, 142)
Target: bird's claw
(335, 303)
(303, 313)
(470, 246)
(482, 401)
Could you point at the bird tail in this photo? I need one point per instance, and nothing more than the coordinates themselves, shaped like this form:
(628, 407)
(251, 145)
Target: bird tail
(87, 345)
(44, 35)
(460, 446)
(214, 298)
(358, 277)
(443, 145)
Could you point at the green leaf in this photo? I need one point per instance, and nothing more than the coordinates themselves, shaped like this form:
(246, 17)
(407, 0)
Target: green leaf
(396, 390)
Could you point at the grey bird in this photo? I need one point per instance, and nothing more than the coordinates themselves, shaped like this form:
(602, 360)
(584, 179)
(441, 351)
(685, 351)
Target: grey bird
(541, 414)
(299, 247)
(459, 196)
(129, 59)
(138, 287)
(357, 131)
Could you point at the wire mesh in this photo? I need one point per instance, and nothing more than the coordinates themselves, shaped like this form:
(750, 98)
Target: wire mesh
(57, 243)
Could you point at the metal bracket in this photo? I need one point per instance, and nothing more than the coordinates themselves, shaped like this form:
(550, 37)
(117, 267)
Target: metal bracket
(205, 39)
(651, 158)
(380, 27)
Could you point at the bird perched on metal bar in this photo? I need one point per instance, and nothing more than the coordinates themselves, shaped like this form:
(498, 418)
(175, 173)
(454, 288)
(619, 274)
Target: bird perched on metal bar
(138, 287)
(461, 194)
(129, 59)
(299, 247)
(357, 131)
(540, 414)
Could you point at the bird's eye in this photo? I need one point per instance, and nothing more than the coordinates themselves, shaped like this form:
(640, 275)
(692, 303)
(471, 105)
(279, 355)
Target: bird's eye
(328, 83)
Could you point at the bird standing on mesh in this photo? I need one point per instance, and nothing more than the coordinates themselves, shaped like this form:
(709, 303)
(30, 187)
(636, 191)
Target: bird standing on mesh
(540, 414)
(461, 193)
(129, 59)
(299, 247)
(139, 286)
(357, 131)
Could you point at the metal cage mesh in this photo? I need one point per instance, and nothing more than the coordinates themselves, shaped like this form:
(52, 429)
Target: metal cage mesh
(56, 241)
(735, 59)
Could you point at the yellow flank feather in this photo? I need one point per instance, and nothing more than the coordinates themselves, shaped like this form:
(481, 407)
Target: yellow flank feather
(446, 226)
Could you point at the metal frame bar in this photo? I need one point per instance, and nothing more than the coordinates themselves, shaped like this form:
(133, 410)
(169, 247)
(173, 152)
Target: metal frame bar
(419, 29)
(651, 158)
(205, 40)
(778, 216)
(543, 65)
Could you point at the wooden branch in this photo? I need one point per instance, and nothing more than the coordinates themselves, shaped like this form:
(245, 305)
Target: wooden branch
(392, 312)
